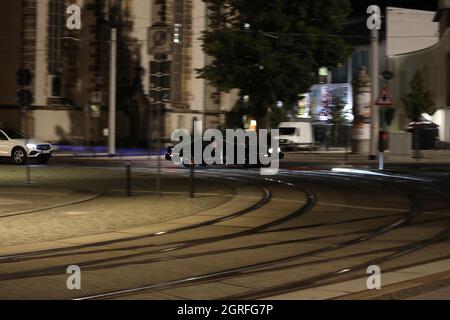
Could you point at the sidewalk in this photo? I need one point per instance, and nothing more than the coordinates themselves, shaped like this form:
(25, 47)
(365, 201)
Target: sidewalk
(427, 281)
(102, 151)
(333, 156)
(327, 158)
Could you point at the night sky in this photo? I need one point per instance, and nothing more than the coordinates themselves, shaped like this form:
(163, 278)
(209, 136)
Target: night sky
(356, 24)
(360, 6)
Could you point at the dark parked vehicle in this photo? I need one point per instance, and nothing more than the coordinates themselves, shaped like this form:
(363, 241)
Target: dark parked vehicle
(169, 154)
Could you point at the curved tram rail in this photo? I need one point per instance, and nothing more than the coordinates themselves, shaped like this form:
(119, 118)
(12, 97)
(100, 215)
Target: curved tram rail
(249, 269)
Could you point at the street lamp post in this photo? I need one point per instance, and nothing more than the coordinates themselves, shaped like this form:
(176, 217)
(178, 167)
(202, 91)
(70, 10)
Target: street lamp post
(24, 79)
(112, 94)
(114, 8)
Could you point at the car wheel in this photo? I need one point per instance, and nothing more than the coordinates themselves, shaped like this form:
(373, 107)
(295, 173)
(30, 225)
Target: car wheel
(19, 156)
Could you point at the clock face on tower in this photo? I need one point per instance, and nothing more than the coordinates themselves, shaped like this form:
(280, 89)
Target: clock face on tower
(160, 38)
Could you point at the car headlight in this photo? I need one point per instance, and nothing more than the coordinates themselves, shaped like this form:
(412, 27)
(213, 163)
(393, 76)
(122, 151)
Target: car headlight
(31, 146)
(271, 150)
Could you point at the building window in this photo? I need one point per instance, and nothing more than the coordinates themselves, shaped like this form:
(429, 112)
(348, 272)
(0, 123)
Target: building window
(161, 10)
(56, 86)
(56, 18)
(181, 122)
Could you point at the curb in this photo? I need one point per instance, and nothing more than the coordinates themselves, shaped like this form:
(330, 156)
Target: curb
(358, 286)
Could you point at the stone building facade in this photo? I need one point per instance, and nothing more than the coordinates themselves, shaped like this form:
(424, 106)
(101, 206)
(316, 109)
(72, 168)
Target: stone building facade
(424, 45)
(71, 70)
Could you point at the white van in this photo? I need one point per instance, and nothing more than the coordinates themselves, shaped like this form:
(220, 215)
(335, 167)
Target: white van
(296, 135)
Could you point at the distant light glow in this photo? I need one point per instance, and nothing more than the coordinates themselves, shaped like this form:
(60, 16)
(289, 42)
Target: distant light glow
(344, 271)
(177, 33)
(323, 72)
(373, 173)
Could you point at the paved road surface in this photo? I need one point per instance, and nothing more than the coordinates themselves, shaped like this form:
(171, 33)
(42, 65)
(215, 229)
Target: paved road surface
(300, 234)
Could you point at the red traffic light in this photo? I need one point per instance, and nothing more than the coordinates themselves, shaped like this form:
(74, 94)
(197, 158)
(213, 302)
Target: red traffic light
(24, 98)
(383, 141)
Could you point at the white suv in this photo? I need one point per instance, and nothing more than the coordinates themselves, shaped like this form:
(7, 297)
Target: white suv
(15, 145)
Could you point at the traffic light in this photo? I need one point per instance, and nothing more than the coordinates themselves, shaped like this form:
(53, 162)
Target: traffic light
(23, 77)
(24, 98)
(383, 141)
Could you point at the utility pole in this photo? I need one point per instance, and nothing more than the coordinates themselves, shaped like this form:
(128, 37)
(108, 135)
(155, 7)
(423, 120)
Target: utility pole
(114, 7)
(25, 97)
(374, 24)
(159, 104)
(112, 94)
(375, 70)
(160, 46)
(197, 128)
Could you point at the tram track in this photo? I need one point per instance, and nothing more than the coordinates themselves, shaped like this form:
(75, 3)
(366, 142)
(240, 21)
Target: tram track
(185, 244)
(327, 278)
(265, 198)
(264, 266)
(224, 274)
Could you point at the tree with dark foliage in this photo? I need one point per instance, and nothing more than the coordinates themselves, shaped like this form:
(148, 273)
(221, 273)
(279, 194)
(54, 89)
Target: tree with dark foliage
(271, 50)
(419, 100)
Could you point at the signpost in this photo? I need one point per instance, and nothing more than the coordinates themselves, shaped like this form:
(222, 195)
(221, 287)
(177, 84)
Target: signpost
(24, 100)
(384, 101)
(374, 23)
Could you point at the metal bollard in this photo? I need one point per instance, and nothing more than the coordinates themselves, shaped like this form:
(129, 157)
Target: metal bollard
(192, 181)
(128, 165)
